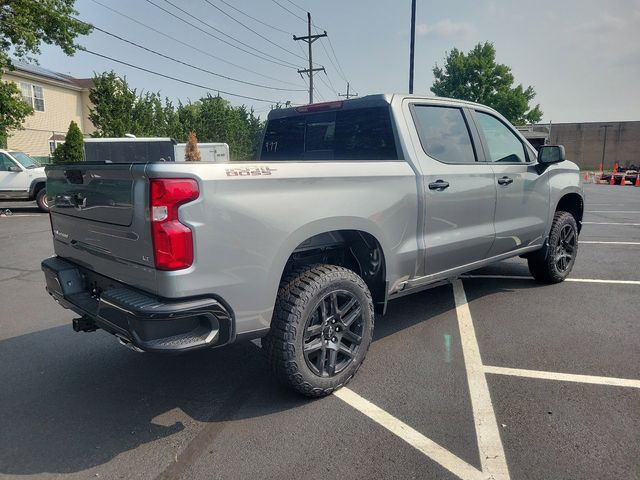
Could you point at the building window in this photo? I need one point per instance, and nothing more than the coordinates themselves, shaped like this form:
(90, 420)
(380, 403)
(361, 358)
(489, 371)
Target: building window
(33, 95)
(53, 144)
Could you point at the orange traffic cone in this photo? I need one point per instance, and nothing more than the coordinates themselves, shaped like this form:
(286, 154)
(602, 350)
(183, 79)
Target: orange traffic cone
(612, 180)
(637, 184)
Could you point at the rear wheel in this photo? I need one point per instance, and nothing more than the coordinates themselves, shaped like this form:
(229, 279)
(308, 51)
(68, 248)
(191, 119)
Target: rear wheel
(557, 263)
(321, 329)
(42, 201)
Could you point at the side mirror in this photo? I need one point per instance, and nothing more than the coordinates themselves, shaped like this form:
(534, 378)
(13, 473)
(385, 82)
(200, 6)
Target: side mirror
(549, 154)
(15, 168)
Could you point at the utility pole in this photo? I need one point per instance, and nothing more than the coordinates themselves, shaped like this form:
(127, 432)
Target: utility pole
(413, 43)
(348, 94)
(310, 39)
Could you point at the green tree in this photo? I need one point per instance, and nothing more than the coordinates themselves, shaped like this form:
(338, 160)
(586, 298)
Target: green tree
(119, 109)
(24, 26)
(71, 150)
(113, 103)
(475, 76)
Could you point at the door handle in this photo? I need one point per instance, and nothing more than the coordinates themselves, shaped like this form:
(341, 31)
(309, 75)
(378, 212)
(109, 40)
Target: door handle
(505, 181)
(438, 185)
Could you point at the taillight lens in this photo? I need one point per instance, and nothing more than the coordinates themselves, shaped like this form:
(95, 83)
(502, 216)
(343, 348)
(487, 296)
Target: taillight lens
(172, 240)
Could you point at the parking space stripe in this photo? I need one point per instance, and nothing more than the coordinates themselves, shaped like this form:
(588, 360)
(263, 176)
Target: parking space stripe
(490, 447)
(611, 211)
(13, 215)
(428, 447)
(612, 223)
(579, 280)
(565, 377)
(593, 242)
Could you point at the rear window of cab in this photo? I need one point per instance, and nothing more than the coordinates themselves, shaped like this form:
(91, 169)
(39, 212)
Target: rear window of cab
(354, 134)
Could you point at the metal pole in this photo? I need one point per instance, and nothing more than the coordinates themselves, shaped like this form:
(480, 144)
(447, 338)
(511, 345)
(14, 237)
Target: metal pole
(413, 41)
(310, 60)
(604, 144)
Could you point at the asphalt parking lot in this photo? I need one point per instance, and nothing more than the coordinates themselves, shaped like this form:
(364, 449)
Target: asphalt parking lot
(494, 376)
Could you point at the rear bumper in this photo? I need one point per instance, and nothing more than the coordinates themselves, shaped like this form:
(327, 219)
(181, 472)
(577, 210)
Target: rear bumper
(147, 322)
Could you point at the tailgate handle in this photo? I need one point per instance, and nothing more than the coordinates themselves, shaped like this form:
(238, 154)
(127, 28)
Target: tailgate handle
(74, 176)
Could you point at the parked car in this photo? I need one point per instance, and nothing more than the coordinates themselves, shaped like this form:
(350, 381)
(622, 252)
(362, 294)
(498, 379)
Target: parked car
(351, 205)
(22, 178)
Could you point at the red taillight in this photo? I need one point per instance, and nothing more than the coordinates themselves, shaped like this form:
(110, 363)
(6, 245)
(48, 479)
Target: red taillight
(172, 240)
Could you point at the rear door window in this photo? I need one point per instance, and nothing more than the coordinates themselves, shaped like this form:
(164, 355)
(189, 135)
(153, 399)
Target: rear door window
(444, 133)
(356, 134)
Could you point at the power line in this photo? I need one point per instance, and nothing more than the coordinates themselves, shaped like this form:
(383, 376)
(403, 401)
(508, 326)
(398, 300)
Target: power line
(253, 31)
(188, 64)
(191, 46)
(328, 85)
(344, 77)
(285, 8)
(297, 6)
(255, 19)
(271, 60)
(174, 78)
(329, 57)
(331, 83)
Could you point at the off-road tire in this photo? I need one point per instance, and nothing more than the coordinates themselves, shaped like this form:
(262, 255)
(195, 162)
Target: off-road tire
(299, 294)
(41, 200)
(544, 267)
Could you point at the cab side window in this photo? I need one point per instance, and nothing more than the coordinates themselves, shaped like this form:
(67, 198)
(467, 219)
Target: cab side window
(5, 163)
(444, 134)
(504, 146)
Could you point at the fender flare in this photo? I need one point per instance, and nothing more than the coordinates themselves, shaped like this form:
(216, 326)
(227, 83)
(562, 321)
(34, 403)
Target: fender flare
(34, 183)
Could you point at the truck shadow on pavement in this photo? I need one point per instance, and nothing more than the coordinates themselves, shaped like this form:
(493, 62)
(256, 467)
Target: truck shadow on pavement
(72, 401)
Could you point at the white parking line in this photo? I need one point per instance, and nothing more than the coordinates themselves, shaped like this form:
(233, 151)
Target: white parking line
(611, 211)
(428, 447)
(22, 215)
(579, 280)
(612, 223)
(593, 242)
(565, 377)
(490, 447)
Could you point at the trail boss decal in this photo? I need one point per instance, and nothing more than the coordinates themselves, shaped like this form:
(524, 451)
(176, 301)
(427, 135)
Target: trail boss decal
(249, 171)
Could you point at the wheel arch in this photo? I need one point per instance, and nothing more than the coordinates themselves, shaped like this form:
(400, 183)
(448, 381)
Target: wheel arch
(573, 203)
(37, 184)
(351, 243)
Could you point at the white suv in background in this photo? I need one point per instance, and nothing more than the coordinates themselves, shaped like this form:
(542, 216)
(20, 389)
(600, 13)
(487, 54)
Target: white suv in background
(22, 178)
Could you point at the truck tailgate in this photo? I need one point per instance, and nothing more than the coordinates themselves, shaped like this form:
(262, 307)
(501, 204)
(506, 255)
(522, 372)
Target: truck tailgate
(100, 220)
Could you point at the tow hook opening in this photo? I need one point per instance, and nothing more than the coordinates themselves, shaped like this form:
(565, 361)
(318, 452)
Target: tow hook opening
(84, 324)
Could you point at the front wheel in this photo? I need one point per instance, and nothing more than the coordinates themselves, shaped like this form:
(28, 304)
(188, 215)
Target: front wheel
(321, 329)
(556, 264)
(42, 201)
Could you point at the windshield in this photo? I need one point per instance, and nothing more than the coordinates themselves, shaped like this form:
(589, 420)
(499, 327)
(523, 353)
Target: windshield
(25, 160)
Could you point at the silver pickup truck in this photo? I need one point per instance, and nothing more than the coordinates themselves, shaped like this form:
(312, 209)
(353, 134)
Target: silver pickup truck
(351, 204)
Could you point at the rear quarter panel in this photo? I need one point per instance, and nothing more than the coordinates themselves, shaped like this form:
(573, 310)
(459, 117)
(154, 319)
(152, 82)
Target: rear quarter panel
(250, 217)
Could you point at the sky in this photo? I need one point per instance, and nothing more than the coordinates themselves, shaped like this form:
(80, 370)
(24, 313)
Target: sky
(582, 57)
